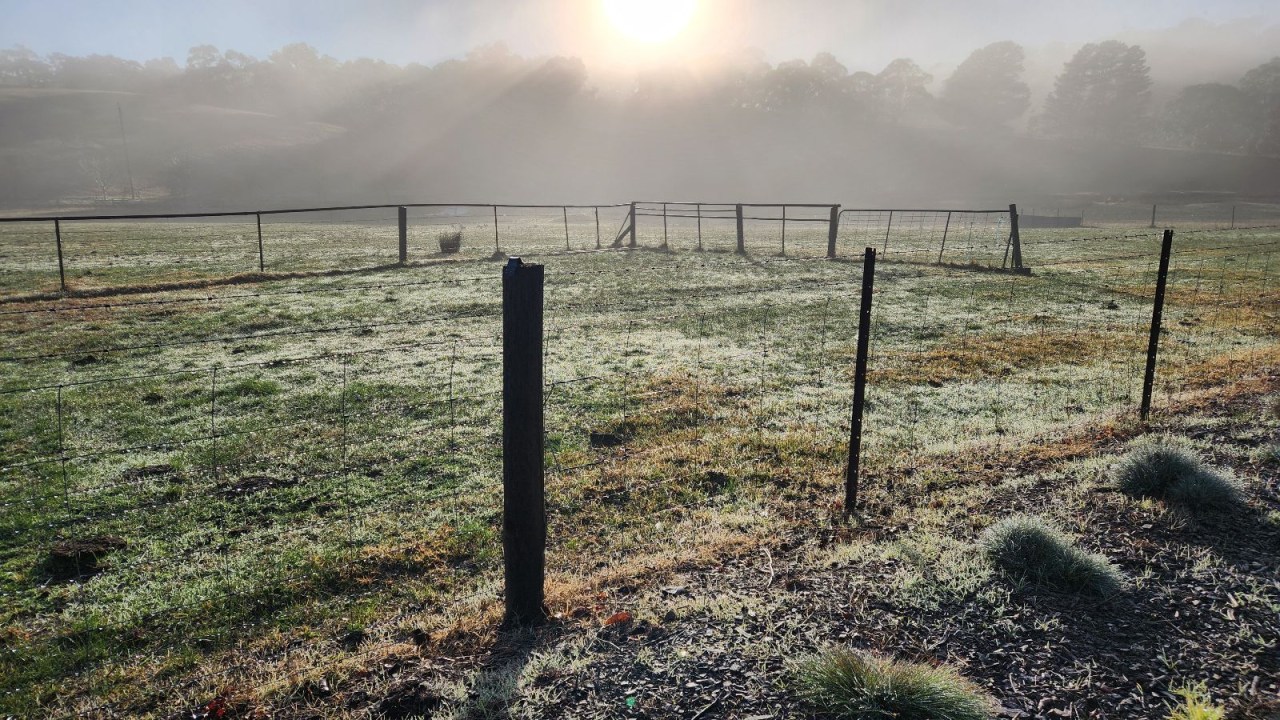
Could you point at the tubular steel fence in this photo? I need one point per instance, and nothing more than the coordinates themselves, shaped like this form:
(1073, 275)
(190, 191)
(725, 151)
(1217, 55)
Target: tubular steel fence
(88, 252)
(99, 254)
(189, 471)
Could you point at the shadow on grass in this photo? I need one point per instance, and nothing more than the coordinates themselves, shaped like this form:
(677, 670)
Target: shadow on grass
(1243, 536)
(494, 688)
(204, 628)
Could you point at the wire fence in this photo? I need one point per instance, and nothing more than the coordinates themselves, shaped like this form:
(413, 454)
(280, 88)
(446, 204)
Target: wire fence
(954, 237)
(88, 254)
(217, 488)
(1186, 212)
(98, 255)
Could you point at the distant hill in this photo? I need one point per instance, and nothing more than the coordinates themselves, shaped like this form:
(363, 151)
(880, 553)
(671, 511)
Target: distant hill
(66, 145)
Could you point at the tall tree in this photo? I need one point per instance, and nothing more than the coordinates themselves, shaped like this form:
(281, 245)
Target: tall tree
(1262, 86)
(797, 85)
(1212, 116)
(987, 88)
(903, 88)
(21, 67)
(1101, 94)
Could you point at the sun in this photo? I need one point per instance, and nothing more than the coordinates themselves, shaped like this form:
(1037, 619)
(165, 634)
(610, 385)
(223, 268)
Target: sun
(650, 21)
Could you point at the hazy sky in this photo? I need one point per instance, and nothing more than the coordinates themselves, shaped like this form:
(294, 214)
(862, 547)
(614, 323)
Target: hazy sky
(862, 33)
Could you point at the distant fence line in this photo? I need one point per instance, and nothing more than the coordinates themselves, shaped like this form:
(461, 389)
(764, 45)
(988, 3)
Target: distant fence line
(923, 231)
(1051, 221)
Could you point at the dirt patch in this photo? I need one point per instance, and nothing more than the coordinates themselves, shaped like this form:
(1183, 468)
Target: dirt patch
(148, 472)
(409, 698)
(606, 439)
(75, 559)
(251, 484)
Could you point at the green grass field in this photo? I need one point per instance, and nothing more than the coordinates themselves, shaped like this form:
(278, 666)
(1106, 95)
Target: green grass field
(266, 486)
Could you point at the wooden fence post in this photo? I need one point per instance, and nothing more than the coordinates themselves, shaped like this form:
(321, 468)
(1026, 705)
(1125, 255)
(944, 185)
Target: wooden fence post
(262, 263)
(784, 230)
(597, 212)
(57, 237)
(1015, 238)
(565, 210)
(1233, 217)
(945, 229)
(1157, 314)
(833, 228)
(859, 381)
(632, 230)
(664, 226)
(524, 521)
(888, 228)
(699, 227)
(742, 240)
(403, 215)
(496, 250)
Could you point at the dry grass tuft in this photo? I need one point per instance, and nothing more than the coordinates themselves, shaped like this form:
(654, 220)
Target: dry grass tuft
(1166, 469)
(844, 683)
(1031, 549)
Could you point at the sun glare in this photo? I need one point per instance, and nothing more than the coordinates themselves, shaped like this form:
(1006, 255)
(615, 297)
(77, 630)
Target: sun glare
(650, 21)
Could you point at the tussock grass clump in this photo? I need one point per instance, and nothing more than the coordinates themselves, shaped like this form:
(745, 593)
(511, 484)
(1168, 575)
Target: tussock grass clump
(1167, 470)
(1033, 550)
(450, 241)
(847, 684)
(1196, 705)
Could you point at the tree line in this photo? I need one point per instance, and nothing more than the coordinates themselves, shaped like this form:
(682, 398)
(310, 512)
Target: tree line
(1103, 93)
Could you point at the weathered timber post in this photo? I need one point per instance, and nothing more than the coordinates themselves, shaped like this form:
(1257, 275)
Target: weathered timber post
(1015, 239)
(742, 239)
(859, 381)
(496, 249)
(632, 229)
(57, 238)
(945, 228)
(833, 228)
(403, 214)
(262, 262)
(888, 228)
(524, 521)
(565, 209)
(699, 227)
(784, 230)
(597, 212)
(664, 226)
(1157, 314)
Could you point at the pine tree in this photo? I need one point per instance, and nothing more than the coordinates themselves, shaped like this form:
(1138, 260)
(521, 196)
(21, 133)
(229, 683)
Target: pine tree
(987, 88)
(1102, 94)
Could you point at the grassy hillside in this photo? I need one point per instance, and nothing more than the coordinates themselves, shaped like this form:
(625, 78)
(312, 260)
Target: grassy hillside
(65, 145)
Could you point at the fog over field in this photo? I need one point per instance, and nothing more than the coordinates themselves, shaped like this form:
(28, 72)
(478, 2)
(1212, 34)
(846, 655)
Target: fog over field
(864, 103)
(639, 359)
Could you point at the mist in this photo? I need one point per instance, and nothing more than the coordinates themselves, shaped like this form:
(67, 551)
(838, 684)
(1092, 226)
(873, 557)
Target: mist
(580, 116)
